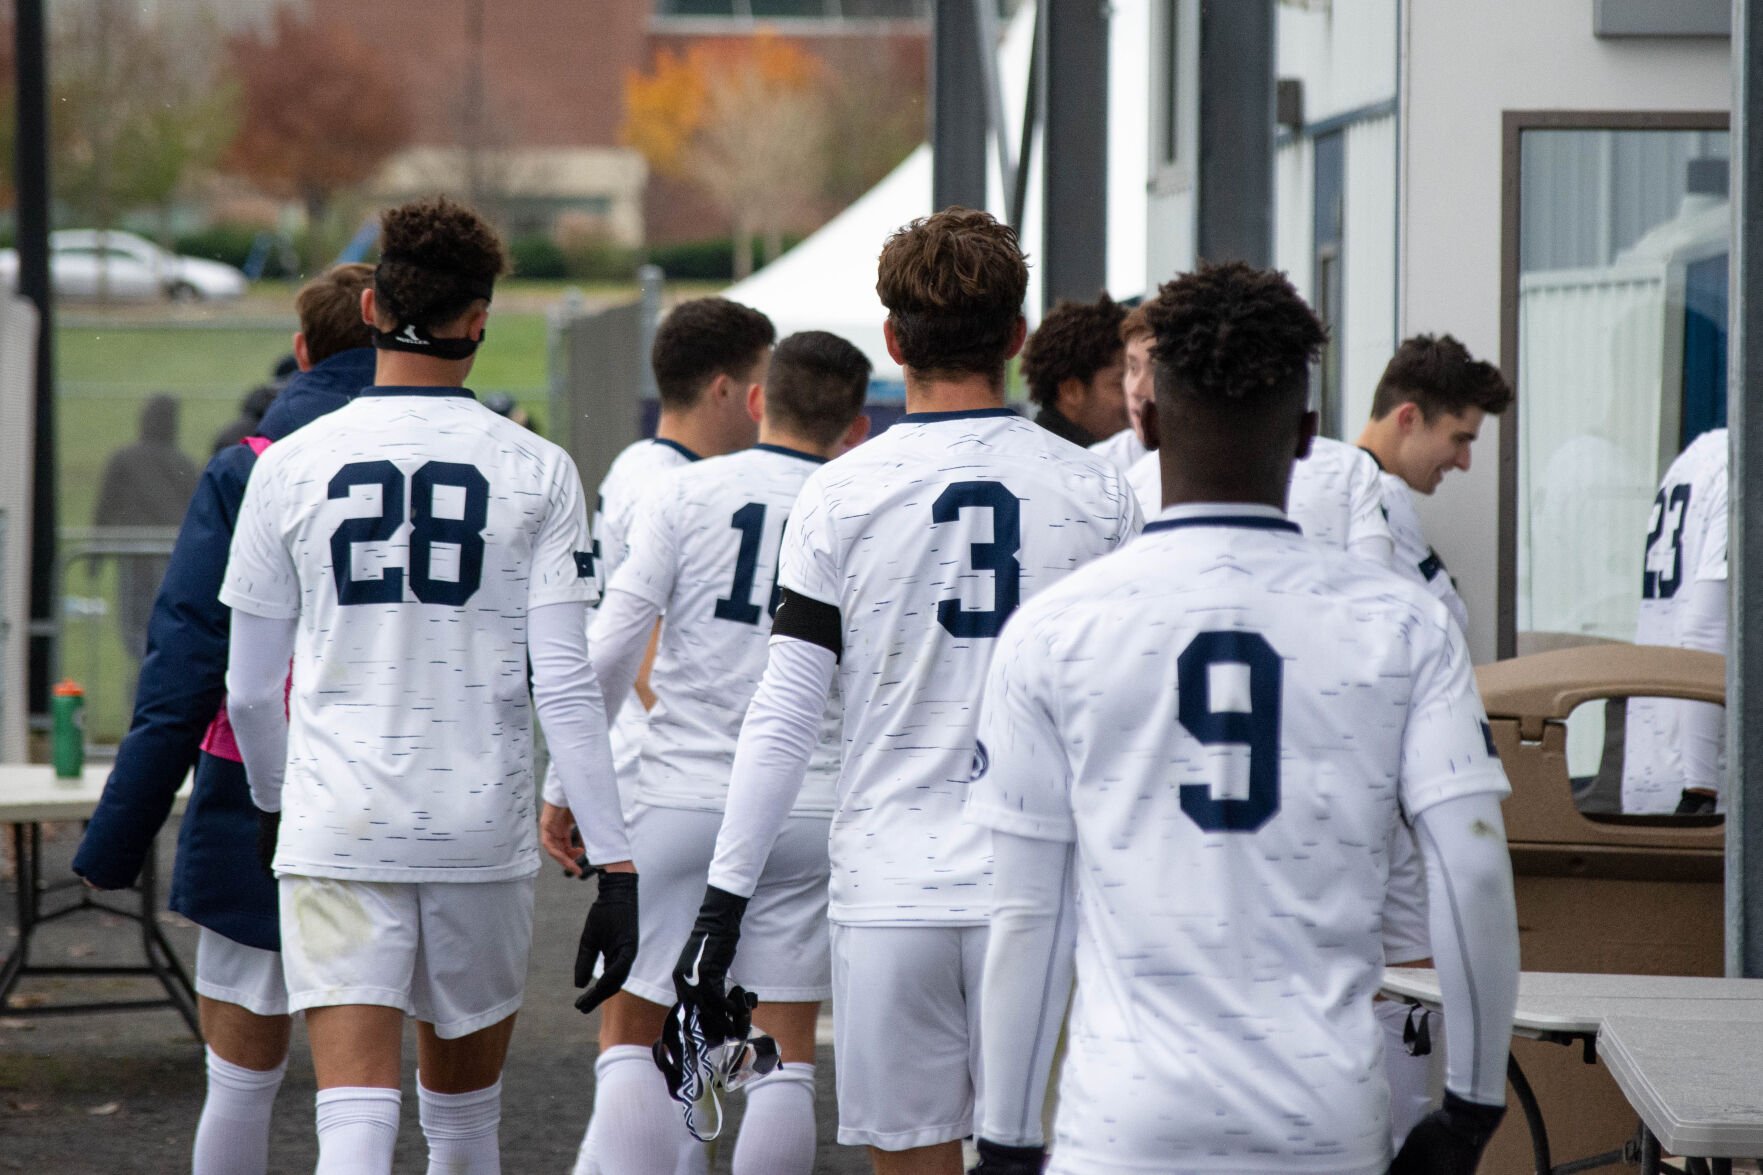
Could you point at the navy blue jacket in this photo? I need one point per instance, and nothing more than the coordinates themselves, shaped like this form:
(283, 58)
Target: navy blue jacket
(217, 881)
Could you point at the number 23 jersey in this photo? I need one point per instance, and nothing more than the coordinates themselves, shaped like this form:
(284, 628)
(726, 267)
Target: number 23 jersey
(410, 531)
(925, 540)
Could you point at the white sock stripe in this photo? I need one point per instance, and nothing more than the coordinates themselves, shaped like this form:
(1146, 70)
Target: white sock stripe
(234, 1076)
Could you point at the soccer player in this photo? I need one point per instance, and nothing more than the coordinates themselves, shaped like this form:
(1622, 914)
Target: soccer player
(1125, 447)
(411, 551)
(901, 563)
(1194, 751)
(1075, 370)
(1425, 415)
(179, 720)
(709, 359)
(703, 554)
(1673, 750)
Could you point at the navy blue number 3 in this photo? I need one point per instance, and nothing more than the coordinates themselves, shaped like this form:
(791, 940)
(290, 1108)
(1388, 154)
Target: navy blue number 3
(427, 529)
(997, 556)
(1256, 728)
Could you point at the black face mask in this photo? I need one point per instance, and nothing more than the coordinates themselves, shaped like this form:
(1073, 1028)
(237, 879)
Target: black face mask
(417, 340)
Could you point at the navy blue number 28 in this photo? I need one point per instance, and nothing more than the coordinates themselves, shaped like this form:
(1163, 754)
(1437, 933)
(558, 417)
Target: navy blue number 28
(427, 529)
(1256, 728)
(997, 556)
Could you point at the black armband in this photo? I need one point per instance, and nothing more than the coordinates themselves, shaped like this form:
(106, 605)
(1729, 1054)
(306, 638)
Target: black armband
(804, 618)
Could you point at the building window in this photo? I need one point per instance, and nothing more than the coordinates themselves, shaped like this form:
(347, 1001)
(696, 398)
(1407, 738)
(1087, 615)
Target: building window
(1615, 334)
(796, 9)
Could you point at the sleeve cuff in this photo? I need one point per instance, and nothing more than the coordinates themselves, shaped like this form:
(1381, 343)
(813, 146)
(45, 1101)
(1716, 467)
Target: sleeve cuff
(1018, 823)
(1488, 780)
(268, 609)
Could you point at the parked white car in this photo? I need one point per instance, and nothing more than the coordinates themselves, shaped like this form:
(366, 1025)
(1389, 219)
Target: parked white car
(128, 267)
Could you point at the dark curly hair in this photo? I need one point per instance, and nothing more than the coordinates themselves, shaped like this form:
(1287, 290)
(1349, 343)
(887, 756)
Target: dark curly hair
(1438, 374)
(1074, 341)
(816, 385)
(436, 259)
(703, 338)
(953, 284)
(1232, 333)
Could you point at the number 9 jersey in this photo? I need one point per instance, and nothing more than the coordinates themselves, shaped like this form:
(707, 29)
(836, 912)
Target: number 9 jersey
(411, 532)
(924, 540)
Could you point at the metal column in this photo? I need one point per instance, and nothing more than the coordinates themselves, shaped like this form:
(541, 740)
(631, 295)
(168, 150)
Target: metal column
(1234, 219)
(1744, 665)
(1074, 217)
(958, 106)
(32, 172)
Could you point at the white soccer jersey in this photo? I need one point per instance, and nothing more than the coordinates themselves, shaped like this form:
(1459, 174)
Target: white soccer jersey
(1686, 543)
(632, 474)
(704, 550)
(1414, 558)
(1334, 495)
(1121, 450)
(1228, 722)
(411, 531)
(925, 540)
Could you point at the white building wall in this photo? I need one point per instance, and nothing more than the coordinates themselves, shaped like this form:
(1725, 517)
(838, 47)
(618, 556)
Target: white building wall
(1371, 267)
(1462, 66)
(18, 342)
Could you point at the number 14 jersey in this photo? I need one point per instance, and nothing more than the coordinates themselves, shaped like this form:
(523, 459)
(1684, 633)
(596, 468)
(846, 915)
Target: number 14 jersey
(925, 540)
(411, 532)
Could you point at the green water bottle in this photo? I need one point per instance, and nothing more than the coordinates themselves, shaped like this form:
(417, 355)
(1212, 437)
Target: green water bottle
(68, 709)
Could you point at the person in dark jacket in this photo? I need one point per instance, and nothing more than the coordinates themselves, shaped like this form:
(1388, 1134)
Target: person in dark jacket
(1075, 365)
(179, 722)
(250, 418)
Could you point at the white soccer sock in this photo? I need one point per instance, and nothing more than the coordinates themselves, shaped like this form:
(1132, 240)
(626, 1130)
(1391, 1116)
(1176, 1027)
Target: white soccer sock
(636, 1128)
(357, 1129)
(777, 1133)
(232, 1136)
(1410, 1077)
(461, 1129)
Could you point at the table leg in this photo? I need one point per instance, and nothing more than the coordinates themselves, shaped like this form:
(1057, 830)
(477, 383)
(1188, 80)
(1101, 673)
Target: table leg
(27, 877)
(161, 959)
(1649, 1152)
(1533, 1115)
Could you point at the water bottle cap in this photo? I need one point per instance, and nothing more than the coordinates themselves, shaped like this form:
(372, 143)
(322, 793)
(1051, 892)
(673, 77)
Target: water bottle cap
(68, 688)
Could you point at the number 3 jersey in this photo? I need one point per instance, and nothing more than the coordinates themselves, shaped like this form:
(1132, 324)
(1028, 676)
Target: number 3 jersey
(925, 540)
(1227, 719)
(410, 531)
(704, 550)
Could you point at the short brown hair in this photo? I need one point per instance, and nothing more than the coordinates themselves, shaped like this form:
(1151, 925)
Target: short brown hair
(329, 308)
(1438, 374)
(1074, 341)
(436, 259)
(816, 385)
(1134, 325)
(1232, 333)
(702, 338)
(953, 284)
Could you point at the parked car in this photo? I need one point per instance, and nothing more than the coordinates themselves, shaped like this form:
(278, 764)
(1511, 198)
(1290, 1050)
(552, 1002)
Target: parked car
(128, 266)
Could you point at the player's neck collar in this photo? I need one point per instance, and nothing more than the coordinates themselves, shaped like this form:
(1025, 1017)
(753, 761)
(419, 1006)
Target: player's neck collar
(679, 448)
(964, 414)
(1242, 515)
(416, 390)
(1363, 449)
(789, 452)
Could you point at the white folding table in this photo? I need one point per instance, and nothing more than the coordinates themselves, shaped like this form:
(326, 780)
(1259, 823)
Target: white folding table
(30, 797)
(1687, 1053)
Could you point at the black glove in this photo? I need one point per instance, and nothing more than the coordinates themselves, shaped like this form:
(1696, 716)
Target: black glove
(1448, 1141)
(610, 933)
(1693, 802)
(269, 826)
(701, 975)
(997, 1159)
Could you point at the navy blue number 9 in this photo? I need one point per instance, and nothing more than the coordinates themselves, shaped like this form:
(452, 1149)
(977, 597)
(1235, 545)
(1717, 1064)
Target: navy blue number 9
(389, 587)
(1257, 728)
(997, 556)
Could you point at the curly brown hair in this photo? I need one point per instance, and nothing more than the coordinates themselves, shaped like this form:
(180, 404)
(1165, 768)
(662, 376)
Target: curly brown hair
(436, 259)
(702, 338)
(329, 309)
(1232, 332)
(953, 284)
(1074, 341)
(1438, 374)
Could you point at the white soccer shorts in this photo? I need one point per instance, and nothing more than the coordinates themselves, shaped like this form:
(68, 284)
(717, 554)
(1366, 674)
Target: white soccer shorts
(451, 954)
(234, 973)
(906, 1032)
(1406, 937)
(783, 955)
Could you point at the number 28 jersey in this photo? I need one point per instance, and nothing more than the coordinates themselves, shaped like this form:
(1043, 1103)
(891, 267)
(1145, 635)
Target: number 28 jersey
(410, 531)
(925, 540)
(1227, 719)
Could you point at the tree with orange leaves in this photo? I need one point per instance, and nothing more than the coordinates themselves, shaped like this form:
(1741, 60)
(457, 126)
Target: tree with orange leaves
(745, 121)
(320, 113)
